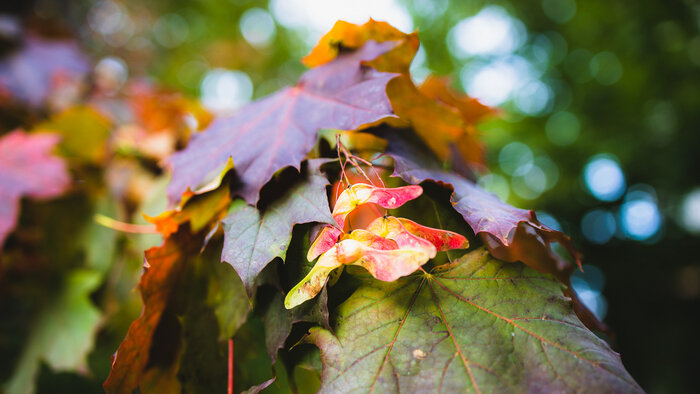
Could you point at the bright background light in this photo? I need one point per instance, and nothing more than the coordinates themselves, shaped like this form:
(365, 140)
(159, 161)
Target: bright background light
(604, 178)
(640, 217)
(492, 31)
(316, 17)
(225, 90)
(257, 27)
(690, 211)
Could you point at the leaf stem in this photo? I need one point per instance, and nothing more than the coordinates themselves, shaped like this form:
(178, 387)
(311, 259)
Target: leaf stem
(116, 225)
(230, 366)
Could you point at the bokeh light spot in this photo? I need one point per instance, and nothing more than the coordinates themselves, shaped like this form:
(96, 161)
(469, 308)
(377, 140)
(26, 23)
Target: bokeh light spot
(515, 157)
(317, 17)
(559, 11)
(490, 32)
(549, 220)
(598, 226)
(495, 184)
(257, 27)
(534, 98)
(495, 82)
(110, 74)
(640, 218)
(604, 178)
(690, 211)
(562, 128)
(225, 90)
(551, 170)
(589, 285)
(171, 30)
(529, 184)
(606, 68)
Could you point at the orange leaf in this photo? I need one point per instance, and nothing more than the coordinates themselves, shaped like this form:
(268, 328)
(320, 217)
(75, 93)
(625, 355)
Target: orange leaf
(440, 126)
(345, 35)
(471, 109)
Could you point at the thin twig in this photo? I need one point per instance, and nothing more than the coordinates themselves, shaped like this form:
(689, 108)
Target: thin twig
(344, 177)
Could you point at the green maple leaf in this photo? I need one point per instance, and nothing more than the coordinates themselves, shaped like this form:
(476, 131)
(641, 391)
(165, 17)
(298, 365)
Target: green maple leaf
(252, 239)
(476, 325)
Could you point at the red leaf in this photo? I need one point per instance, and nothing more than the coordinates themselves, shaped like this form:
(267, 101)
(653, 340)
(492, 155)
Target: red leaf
(279, 130)
(27, 168)
(441, 239)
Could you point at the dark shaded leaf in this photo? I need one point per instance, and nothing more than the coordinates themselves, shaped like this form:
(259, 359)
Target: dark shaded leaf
(279, 130)
(279, 320)
(252, 239)
(27, 168)
(477, 325)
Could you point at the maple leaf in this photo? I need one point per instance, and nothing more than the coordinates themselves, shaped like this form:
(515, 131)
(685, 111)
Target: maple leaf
(510, 233)
(30, 78)
(252, 239)
(443, 118)
(27, 168)
(441, 127)
(349, 200)
(476, 325)
(471, 109)
(279, 130)
(345, 35)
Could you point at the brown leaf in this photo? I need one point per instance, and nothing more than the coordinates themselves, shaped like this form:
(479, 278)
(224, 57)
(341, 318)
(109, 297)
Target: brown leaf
(163, 269)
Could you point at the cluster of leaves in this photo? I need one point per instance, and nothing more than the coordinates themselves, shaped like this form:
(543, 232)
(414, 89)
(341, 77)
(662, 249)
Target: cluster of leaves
(251, 190)
(78, 154)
